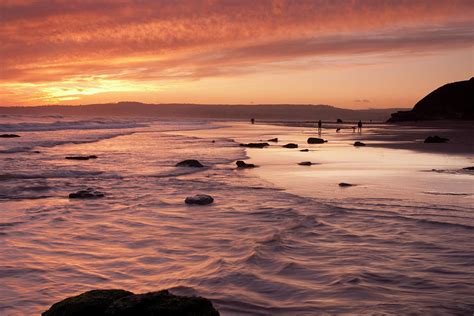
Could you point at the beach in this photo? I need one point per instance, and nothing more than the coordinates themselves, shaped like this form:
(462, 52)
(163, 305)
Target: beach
(279, 239)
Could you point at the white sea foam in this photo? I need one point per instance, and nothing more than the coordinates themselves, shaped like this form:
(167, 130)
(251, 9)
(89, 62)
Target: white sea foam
(68, 125)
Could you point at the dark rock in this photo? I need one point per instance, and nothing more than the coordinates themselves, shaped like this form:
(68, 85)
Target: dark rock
(290, 145)
(451, 101)
(82, 157)
(91, 303)
(242, 164)
(359, 144)
(89, 193)
(304, 150)
(9, 135)
(339, 121)
(315, 140)
(435, 140)
(199, 199)
(192, 163)
(305, 163)
(275, 140)
(124, 303)
(468, 168)
(344, 184)
(255, 145)
(161, 303)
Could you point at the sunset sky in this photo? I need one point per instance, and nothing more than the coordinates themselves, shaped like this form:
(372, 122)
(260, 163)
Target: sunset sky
(354, 54)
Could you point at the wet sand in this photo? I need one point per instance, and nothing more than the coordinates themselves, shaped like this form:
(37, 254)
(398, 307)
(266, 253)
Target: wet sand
(410, 135)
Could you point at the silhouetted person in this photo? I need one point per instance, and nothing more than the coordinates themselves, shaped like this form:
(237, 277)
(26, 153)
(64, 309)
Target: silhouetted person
(252, 120)
(359, 126)
(320, 124)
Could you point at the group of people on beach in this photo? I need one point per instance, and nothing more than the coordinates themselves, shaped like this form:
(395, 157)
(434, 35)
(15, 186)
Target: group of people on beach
(320, 126)
(359, 127)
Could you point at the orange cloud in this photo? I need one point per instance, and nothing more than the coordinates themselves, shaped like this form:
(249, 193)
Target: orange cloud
(70, 44)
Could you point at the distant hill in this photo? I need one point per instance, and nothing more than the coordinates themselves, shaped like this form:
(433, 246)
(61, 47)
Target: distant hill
(202, 111)
(453, 101)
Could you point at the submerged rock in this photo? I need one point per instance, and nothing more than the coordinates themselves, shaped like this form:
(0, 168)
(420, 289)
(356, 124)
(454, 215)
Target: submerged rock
(344, 184)
(359, 144)
(93, 303)
(275, 140)
(305, 163)
(468, 168)
(82, 157)
(290, 145)
(192, 163)
(255, 145)
(161, 303)
(242, 164)
(89, 193)
(316, 140)
(435, 140)
(125, 303)
(9, 135)
(199, 199)
(304, 150)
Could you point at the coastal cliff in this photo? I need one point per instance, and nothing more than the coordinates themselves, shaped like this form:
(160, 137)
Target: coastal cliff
(453, 101)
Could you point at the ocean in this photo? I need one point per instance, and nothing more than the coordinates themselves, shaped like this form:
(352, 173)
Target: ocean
(280, 239)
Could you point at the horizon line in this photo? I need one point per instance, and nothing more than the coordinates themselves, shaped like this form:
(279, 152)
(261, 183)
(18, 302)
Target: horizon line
(201, 104)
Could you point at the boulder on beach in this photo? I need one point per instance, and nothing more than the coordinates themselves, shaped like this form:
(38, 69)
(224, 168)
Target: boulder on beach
(242, 164)
(81, 157)
(316, 140)
(359, 144)
(305, 163)
(435, 140)
(89, 193)
(339, 121)
(345, 185)
(304, 150)
(192, 163)
(275, 140)
(9, 135)
(290, 145)
(468, 168)
(255, 145)
(199, 199)
(124, 303)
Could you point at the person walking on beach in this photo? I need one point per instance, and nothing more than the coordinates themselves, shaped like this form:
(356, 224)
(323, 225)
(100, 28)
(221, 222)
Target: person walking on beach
(320, 124)
(359, 126)
(252, 120)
